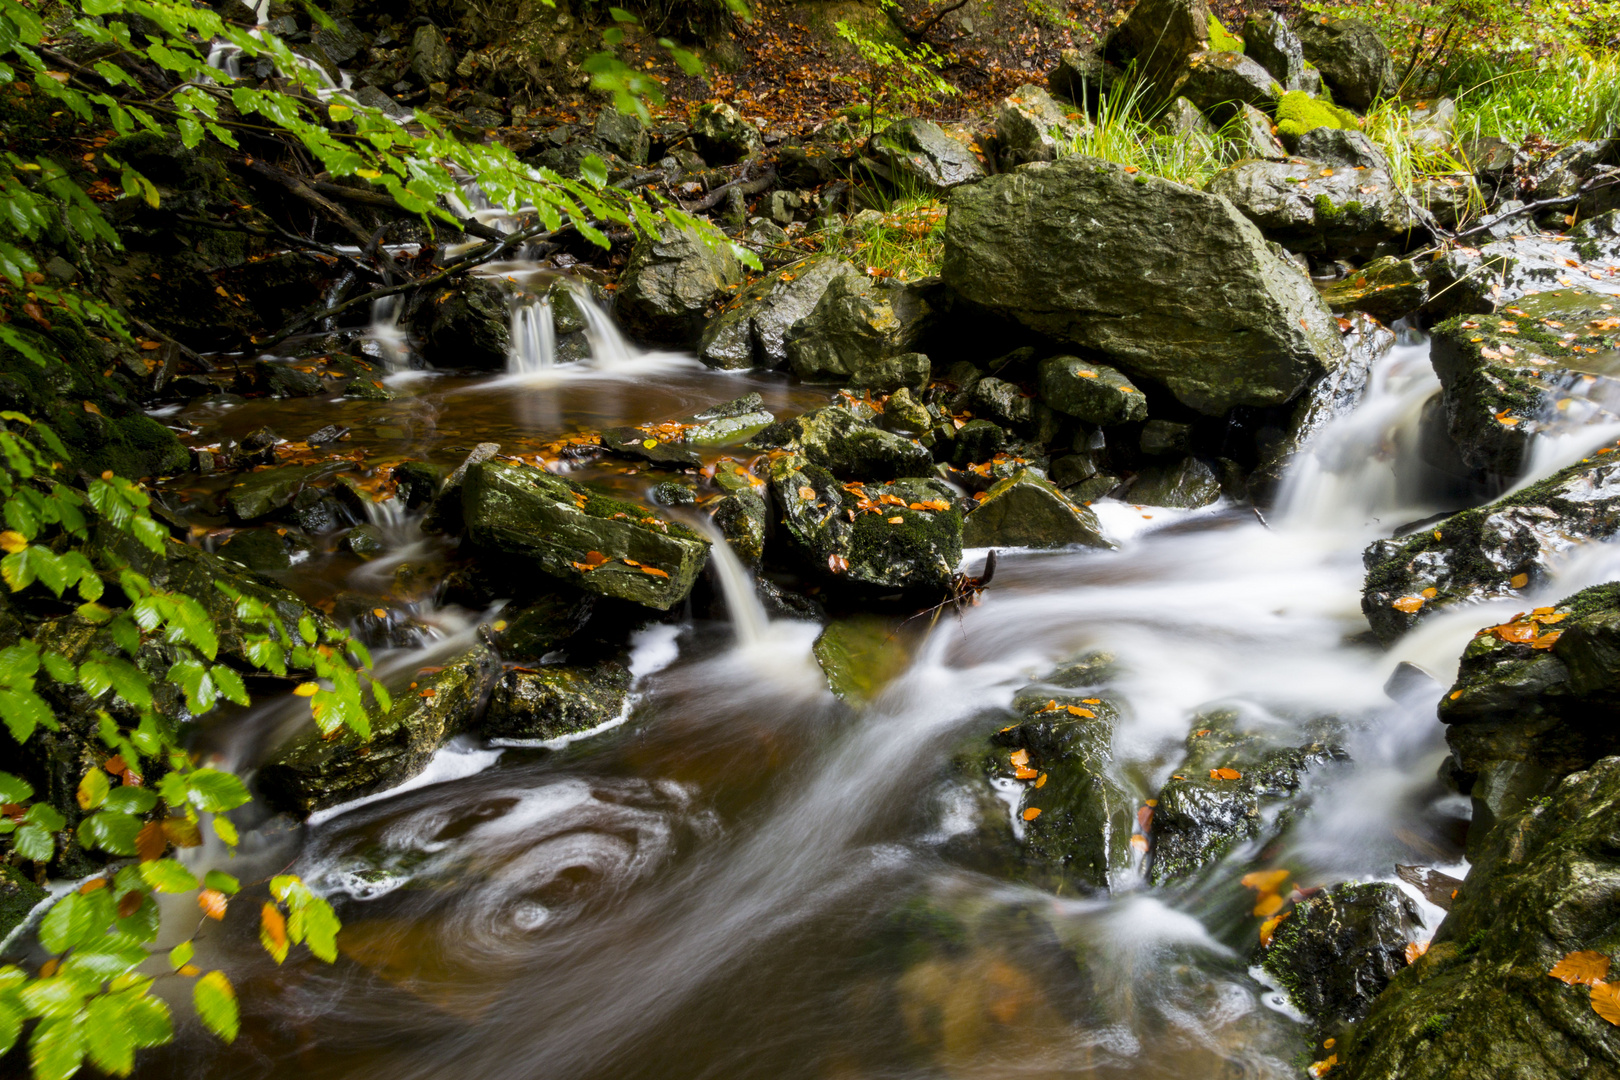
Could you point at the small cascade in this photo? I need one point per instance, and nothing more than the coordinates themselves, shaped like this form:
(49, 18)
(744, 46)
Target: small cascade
(749, 621)
(608, 347)
(534, 337)
(225, 56)
(385, 334)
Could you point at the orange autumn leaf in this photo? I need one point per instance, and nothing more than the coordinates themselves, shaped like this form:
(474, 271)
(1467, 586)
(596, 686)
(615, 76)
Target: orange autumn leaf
(1268, 904)
(1408, 604)
(273, 931)
(1040, 781)
(1092, 700)
(1321, 1068)
(1268, 929)
(1588, 967)
(1517, 633)
(1032, 813)
(1264, 880)
(1415, 949)
(1078, 711)
(595, 558)
(653, 571)
(150, 843)
(1519, 581)
(807, 493)
(213, 903)
(1224, 774)
(1606, 1002)
(1139, 842)
(1020, 757)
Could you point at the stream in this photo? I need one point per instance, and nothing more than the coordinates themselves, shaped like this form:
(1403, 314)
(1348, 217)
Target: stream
(745, 877)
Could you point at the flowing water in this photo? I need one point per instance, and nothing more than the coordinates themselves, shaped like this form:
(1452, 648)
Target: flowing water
(748, 879)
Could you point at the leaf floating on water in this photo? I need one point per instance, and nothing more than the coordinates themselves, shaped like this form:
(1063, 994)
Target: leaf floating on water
(1224, 774)
(1264, 880)
(1587, 967)
(1268, 904)
(1606, 1002)
(1415, 949)
(1032, 813)
(1408, 604)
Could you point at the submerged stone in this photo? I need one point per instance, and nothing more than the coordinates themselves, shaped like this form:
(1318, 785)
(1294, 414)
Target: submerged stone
(1185, 484)
(586, 539)
(860, 655)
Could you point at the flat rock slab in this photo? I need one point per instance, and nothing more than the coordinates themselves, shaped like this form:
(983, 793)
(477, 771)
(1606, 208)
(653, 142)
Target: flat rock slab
(1025, 510)
(581, 537)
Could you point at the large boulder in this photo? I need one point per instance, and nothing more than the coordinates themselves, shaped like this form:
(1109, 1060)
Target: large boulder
(905, 535)
(1184, 484)
(1491, 551)
(1337, 950)
(1025, 510)
(555, 700)
(1171, 283)
(1159, 36)
(1270, 42)
(919, 152)
(852, 448)
(467, 326)
(1535, 699)
(1470, 281)
(1095, 393)
(751, 330)
(314, 772)
(670, 282)
(1228, 790)
(1479, 1001)
(1503, 376)
(581, 537)
(722, 135)
(1310, 206)
(855, 326)
(1353, 60)
(1218, 82)
(1032, 125)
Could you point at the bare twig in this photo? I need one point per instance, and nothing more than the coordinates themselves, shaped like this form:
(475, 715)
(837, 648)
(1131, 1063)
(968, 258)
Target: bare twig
(747, 186)
(1595, 184)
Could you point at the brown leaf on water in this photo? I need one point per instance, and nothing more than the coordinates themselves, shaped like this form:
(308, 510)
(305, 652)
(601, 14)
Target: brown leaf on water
(1224, 774)
(1606, 1002)
(1588, 967)
(150, 843)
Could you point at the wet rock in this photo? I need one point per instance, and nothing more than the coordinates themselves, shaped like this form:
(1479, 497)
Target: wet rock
(855, 326)
(1434, 124)
(1340, 147)
(562, 528)
(674, 493)
(1093, 392)
(1564, 171)
(1543, 887)
(469, 328)
(1032, 125)
(1069, 822)
(852, 448)
(1164, 437)
(751, 330)
(1269, 42)
(977, 440)
(1524, 713)
(729, 422)
(1217, 82)
(1386, 288)
(1071, 469)
(887, 546)
(1251, 132)
(743, 517)
(555, 700)
(898, 371)
(1503, 375)
(1490, 551)
(1160, 36)
(1127, 265)
(722, 135)
(365, 541)
(417, 482)
(1354, 62)
(669, 283)
(906, 416)
(1184, 485)
(1292, 202)
(431, 60)
(623, 133)
(258, 494)
(1202, 815)
(529, 630)
(1002, 401)
(1339, 949)
(919, 151)
(265, 550)
(1025, 510)
(285, 381)
(314, 772)
(641, 444)
(1184, 120)
(1082, 76)
(1468, 281)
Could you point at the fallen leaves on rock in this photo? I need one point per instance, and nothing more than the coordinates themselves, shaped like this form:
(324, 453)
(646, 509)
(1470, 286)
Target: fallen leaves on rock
(1585, 967)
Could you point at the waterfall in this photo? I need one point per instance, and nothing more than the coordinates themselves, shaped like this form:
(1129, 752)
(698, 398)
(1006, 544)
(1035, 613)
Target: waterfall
(749, 621)
(534, 337)
(385, 333)
(608, 347)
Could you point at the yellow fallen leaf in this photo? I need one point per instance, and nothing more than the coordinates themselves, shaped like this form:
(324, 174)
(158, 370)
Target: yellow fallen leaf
(1268, 904)
(1408, 604)
(1606, 1002)
(1415, 949)
(1032, 813)
(1586, 967)
(12, 541)
(1264, 880)
(1519, 581)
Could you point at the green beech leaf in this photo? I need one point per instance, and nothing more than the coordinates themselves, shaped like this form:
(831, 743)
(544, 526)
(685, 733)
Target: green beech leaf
(215, 999)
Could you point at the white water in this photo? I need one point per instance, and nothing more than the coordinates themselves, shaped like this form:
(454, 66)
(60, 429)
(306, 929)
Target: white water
(749, 622)
(534, 338)
(697, 893)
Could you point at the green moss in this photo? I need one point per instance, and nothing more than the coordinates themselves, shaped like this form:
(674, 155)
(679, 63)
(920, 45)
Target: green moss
(1435, 1025)
(1222, 39)
(1298, 112)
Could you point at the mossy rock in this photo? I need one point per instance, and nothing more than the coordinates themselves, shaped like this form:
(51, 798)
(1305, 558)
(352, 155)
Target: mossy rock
(1387, 288)
(1299, 112)
(861, 655)
(852, 448)
(555, 700)
(1025, 510)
